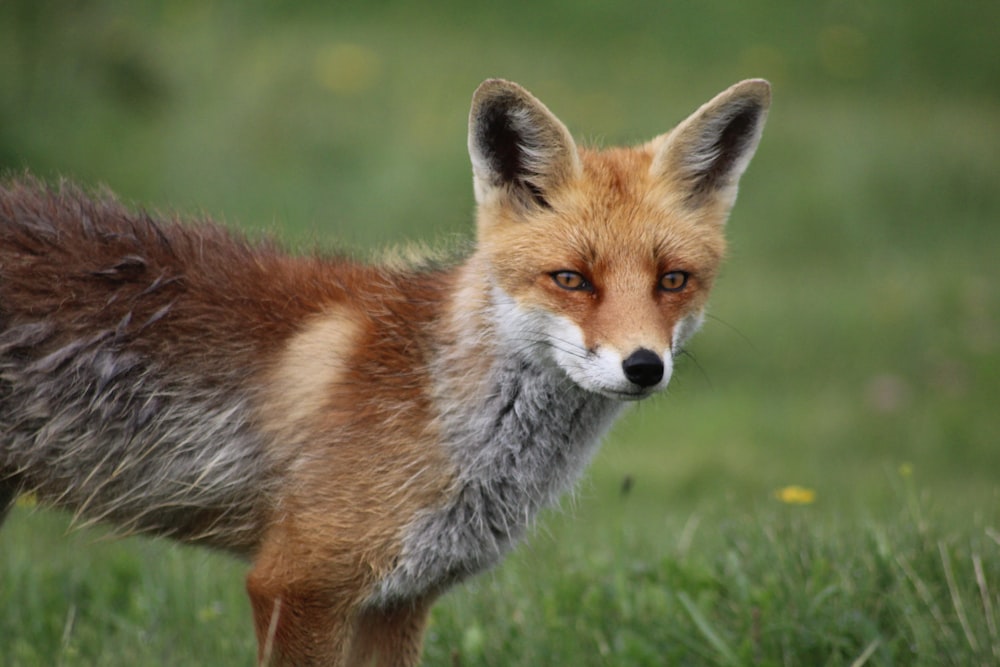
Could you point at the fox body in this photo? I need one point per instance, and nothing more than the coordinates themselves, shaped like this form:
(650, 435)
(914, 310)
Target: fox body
(365, 436)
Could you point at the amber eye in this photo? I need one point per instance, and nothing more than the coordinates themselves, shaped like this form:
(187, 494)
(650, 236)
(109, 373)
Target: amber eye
(570, 280)
(673, 281)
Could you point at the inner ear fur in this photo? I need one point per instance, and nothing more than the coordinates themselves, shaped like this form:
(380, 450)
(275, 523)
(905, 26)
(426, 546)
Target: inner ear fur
(519, 149)
(710, 150)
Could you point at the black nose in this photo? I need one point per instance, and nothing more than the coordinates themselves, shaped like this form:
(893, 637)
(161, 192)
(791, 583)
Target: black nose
(643, 367)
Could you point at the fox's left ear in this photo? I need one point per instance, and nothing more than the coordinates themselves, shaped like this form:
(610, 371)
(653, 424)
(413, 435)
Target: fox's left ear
(521, 153)
(709, 151)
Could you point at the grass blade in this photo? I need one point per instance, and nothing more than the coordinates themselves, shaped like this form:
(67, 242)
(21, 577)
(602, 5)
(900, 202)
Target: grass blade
(956, 598)
(984, 593)
(867, 653)
(925, 595)
(713, 638)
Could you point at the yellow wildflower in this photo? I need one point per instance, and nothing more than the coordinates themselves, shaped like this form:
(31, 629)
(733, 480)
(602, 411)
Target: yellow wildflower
(795, 495)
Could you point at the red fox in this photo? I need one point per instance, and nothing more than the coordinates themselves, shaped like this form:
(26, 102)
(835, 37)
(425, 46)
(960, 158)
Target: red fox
(366, 436)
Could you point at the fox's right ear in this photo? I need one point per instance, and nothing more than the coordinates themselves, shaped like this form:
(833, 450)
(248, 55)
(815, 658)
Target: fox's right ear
(520, 151)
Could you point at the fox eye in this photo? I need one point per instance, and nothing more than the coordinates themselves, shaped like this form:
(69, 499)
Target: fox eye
(571, 280)
(674, 281)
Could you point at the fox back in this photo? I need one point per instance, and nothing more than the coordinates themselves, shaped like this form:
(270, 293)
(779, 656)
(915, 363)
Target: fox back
(365, 435)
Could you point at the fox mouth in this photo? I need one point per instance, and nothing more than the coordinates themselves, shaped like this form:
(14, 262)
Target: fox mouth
(636, 394)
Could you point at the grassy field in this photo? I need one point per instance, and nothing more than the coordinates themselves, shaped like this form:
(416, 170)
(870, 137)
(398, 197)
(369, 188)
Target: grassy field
(853, 348)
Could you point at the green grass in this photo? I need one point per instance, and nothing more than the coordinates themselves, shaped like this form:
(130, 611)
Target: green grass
(82, 599)
(855, 331)
(618, 581)
(775, 586)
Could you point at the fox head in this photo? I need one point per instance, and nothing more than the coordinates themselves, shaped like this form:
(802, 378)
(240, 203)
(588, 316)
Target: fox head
(602, 261)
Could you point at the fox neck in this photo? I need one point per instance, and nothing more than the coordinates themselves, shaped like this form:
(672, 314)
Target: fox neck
(522, 422)
(518, 433)
(519, 415)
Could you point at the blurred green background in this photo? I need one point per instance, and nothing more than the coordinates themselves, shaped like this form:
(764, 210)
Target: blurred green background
(856, 328)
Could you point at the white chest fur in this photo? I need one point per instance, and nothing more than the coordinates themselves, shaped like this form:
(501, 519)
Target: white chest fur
(517, 441)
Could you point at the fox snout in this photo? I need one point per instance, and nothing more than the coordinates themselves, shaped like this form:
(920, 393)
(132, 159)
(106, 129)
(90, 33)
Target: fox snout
(643, 368)
(603, 370)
